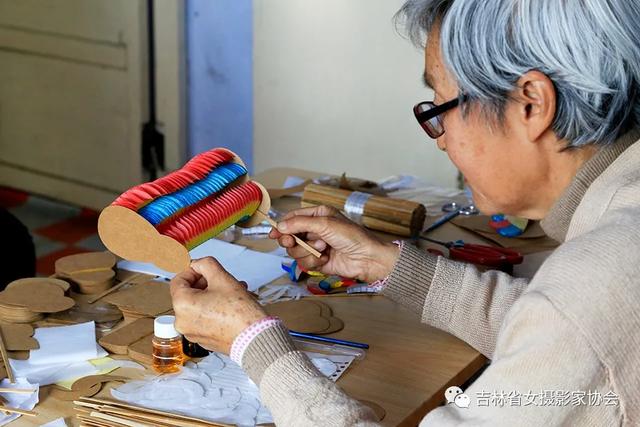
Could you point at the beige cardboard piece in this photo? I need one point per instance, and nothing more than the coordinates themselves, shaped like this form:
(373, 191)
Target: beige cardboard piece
(91, 272)
(65, 286)
(84, 387)
(71, 395)
(18, 337)
(85, 263)
(118, 341)
(148, 299)
(311, 317)
(132, 237)
(38, 295)
(99, 312)
(142, 350)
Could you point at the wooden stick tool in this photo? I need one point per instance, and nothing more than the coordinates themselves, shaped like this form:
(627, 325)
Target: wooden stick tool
(301, 242)
(115, 288)
(5, 359)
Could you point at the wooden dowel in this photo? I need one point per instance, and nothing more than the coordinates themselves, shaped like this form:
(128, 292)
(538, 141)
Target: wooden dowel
(5, 359)
(17, 390)
(298, 240)
(119, 420)
(18, 411)
(115, 288)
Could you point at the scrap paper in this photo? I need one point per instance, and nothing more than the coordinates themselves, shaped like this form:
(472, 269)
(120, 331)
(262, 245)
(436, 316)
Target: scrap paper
(215, 389)
(255, 268)
(18, 400)
(65, 344)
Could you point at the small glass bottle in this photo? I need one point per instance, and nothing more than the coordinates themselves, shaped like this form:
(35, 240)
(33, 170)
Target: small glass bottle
(167, 345)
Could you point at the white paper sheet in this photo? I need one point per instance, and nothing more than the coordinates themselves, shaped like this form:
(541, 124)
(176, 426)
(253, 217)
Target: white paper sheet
(65, 344)
(255, 268)
(18, 400)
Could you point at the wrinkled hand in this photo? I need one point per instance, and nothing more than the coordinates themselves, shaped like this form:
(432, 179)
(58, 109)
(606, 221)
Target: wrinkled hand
(347, 249)
(211, 306)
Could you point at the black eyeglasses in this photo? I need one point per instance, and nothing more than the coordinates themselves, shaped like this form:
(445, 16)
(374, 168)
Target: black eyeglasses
(428, 115)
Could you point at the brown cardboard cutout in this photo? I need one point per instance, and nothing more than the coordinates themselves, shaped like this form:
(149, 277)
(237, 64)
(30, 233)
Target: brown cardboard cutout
(91, 272)
(84, 387)
(85, 263)
(32, 296)
(130, 236)
(99, 312)
(118, 341)
(147, 299)
(142, 350)
(18, 337)
(310, 317)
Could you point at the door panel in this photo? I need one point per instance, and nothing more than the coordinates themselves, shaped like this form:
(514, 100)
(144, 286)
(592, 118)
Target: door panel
(72, 97)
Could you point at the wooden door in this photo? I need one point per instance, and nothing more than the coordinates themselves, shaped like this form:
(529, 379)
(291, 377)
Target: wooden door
(73, 96)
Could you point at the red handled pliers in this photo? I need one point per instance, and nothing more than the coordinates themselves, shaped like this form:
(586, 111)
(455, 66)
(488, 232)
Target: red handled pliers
(488, 256)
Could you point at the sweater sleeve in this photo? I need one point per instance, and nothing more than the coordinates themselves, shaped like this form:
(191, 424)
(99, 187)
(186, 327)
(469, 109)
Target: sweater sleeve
(295, 392)
(544, 373)
(454, 296)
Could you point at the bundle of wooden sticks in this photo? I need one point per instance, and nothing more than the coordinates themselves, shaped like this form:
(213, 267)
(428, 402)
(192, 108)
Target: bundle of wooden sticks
(92, 412)
(395, 216)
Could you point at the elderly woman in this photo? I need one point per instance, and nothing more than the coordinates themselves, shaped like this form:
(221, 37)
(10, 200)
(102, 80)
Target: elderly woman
(537, 102)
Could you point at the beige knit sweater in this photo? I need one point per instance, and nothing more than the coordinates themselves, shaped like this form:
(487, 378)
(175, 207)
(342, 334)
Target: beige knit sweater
(565, 346)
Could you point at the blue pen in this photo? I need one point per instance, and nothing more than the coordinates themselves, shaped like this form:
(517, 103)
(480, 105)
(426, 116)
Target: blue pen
(327, 339)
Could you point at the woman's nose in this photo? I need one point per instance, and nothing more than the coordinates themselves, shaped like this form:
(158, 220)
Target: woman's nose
(440, 142)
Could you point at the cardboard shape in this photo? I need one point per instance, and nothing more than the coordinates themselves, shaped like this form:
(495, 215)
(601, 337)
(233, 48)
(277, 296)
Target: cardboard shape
(148, 299)
(18, 337)
(335, 325)
(62, 284)
(90, 272)
(35, 295)
(19, 355)
(142, 350)
(118, 341)
(99, 312)
(71, 395)
(94, 282)
(18, 314)
(133, 238)
(311, 317)
(85, 263)
(84, 387)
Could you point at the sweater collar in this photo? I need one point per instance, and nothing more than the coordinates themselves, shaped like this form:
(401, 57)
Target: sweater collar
(556, 223)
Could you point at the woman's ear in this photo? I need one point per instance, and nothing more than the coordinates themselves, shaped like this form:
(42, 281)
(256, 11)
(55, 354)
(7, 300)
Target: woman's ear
(536, 96)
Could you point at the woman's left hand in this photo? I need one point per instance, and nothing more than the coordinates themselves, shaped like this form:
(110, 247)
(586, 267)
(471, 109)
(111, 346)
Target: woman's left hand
(211, 306)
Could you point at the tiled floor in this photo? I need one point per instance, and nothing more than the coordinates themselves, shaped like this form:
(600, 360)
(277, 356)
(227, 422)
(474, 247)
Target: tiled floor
(58, 229)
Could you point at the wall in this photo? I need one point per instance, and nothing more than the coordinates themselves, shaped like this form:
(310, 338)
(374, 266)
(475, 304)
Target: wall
(220, 67)
(334, 85)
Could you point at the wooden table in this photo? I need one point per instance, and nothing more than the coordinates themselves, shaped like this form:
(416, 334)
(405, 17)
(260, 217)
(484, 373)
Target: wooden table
(406, 370)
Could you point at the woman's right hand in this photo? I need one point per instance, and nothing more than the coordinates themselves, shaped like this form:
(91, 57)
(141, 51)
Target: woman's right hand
(347, 249)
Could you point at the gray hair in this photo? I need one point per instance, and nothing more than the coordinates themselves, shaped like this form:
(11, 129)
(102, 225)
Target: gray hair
(590, 49)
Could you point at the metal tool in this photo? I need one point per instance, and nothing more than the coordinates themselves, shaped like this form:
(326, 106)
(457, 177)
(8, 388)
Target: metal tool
(452, 210)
